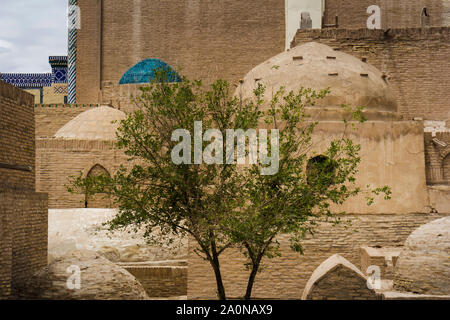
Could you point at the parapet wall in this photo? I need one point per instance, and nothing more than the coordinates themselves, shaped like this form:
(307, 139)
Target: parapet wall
(121, 96)
(51, 117)
(394, 14)
(415, 61)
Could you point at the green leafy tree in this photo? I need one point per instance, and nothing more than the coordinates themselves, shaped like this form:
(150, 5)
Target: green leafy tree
(184, 199)
(301, 194)
(220, 205)
(87, 186)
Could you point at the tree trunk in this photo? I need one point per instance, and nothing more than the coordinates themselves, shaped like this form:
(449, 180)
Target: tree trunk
(216, 266)
(251, 281)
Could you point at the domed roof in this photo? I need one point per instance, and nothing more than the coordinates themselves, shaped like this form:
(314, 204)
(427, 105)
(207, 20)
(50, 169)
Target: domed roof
(424, 265)
(101, 279)
(94, 124)
(317, 66)
(144, 72)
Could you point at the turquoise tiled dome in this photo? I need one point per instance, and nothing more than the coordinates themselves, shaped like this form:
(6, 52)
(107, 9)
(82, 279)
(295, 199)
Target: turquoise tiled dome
(144, 72)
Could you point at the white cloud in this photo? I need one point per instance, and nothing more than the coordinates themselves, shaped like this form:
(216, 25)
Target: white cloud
(5, 44)
(30, 32)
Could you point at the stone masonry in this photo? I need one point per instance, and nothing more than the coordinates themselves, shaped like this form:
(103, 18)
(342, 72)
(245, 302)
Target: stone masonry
(23, 212)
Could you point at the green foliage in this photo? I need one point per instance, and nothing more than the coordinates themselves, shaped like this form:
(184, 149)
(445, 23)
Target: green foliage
(87, 186)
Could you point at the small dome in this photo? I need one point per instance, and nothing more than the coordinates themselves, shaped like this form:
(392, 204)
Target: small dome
(144, 72)
(317, 66)
(94, 124)
(100, 279)
(424, 264)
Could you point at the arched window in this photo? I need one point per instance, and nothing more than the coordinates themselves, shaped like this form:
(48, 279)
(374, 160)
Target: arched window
(320, 170)
(96, 200)
(98, 170)
(425, 18)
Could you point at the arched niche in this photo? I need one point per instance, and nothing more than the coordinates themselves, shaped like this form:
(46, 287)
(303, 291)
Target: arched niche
(338, 279)
(97, 200)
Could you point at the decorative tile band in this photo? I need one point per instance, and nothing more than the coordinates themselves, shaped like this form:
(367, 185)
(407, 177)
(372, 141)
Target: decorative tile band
(70, 105)
(27, 80)
(60, 89)
(72, 70)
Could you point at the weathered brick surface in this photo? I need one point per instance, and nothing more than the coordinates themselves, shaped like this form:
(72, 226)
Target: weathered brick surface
(285, 277)
(161, 281)
(394, 14)
(121, 96)
(23, 213)
(58, 159)
(384, 258)
(26, 229)
(5, 254)
(51, 117)
(89, 54)
(416, 61)
(211, 39)
(423, 266)
(17, 143)
(100, 279)
(200, 38)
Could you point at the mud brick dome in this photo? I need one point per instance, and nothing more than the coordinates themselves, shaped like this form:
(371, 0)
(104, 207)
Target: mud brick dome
(424, 264)
(96, 124)
(318, 66)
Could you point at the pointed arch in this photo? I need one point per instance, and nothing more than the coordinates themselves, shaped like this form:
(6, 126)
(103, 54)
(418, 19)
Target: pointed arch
(97, 200)
(337, 278)
(98, 170)
(425, 17)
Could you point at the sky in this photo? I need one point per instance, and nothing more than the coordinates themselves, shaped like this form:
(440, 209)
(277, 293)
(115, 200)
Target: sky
(30, 32)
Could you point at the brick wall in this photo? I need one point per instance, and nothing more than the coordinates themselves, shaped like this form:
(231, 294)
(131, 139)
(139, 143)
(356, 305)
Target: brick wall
(161, 281)
(285, 277)
(88, 62)
(57, 159)
(55, 93)
(51, 117)
(36, 93)
(416, 60)
(5, 253)
(23, 212)
(121, 96)
(16, 137)
(200, 38)
(208, 39)
(394, 13)
(26, 228)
